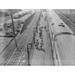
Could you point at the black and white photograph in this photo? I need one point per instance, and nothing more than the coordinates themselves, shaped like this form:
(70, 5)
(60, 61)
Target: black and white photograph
(37, 37)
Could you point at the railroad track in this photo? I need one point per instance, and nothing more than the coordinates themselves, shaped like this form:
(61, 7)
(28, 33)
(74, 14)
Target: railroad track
(23, 35)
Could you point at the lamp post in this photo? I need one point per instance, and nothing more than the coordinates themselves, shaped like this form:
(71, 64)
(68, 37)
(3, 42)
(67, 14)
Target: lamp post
(11, 16)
